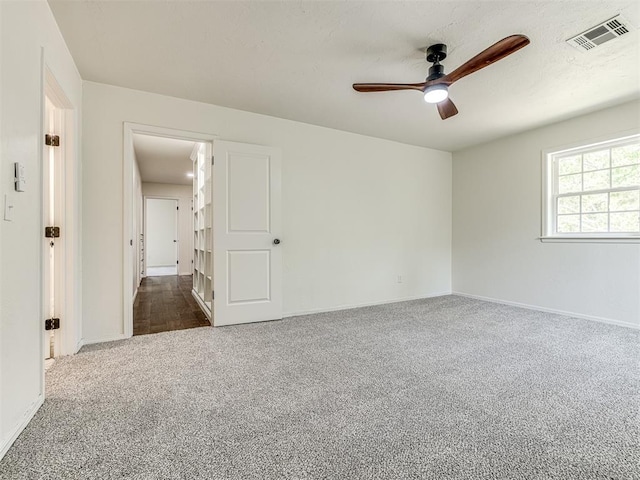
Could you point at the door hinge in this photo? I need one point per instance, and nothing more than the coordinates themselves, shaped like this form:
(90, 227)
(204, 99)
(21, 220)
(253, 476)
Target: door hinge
(213, 294)
(177, 262)
(212, 159)
(177, 208)
(51, 232)
(52, 324)
(52, 140)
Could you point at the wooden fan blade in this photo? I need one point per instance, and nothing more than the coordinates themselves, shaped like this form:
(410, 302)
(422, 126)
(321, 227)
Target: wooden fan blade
(446, 109)
(495, 52)
(386, 87)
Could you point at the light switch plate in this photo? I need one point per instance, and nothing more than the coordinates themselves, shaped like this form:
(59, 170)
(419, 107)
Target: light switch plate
(8, 208)
(19, 176)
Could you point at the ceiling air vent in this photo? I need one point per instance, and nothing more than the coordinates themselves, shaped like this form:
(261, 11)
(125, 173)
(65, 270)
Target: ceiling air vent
(608, 30)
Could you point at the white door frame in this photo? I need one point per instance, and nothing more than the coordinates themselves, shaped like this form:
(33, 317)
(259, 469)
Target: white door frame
(68, 337)
(146, 236)
(128, 243)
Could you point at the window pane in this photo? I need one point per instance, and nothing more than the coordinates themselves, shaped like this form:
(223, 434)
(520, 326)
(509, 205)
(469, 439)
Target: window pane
(569, 204)
(629, 200)
(568, 223)
(625, 176)
(569, 165)
(595, 203)
(596, 188)
(627, 222)
(596, 160)
(625, 155)
(595, 222)
(596, 180)
(570, 183)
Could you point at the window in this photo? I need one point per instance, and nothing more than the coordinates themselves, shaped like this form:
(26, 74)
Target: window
(593, 191)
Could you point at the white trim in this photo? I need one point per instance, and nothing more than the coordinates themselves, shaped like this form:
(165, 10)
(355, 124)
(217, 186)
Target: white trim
(367, 304)
(41, 283)
(17, 430)
(104, 340)
(588, 239)
(128, 156)
(551, 310)
(128, 159)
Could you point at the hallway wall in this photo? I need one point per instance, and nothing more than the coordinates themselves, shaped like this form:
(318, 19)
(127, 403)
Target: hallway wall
(357, 211)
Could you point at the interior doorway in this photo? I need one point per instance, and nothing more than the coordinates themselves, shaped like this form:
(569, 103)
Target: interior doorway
(165, 228)
(53, 243)
(60, 235)
(237, 252)
(162, 236)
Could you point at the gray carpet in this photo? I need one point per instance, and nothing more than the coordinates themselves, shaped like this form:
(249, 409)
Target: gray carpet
(445, 388)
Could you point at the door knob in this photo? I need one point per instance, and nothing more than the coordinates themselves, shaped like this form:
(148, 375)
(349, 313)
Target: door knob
(276, 241)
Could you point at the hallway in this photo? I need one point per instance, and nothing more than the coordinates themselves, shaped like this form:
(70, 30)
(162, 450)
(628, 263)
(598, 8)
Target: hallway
(165, 303)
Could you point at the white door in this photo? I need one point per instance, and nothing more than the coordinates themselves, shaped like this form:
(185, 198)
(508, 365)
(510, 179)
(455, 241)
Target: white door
(247, 253)
(162, 237)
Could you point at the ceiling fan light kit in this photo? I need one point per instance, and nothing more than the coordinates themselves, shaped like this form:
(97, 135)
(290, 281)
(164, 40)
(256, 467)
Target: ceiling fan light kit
(436, 93)
(436, 87)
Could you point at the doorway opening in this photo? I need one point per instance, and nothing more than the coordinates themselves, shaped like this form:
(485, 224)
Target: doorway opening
(166, 231)
(53, 248)
(60, 214)
(236, 249)
(161, 218)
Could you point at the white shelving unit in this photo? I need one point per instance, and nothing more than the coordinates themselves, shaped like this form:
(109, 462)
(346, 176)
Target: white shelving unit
(202, 227)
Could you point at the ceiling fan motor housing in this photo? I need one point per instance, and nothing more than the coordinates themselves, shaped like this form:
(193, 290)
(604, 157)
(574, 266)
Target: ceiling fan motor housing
(435, 54)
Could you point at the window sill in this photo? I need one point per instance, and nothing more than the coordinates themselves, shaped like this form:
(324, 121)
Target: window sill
(589, 239)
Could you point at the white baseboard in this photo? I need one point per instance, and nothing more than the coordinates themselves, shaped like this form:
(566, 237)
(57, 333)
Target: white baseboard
(360, 305)
(17, 430)
(550, 310)
(135, 294)
(185, 273)
(103, 340)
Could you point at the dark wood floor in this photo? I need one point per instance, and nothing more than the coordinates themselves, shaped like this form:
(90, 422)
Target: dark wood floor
(165, 303)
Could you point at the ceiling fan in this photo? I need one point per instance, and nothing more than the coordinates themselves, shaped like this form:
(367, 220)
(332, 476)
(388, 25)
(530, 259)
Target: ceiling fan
(436, 86)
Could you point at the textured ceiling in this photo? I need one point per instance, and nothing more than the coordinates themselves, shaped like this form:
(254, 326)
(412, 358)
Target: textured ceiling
(298, 59)
(163, 160)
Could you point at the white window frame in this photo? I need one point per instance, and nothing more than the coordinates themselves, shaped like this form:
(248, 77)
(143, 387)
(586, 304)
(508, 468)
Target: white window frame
(549, 177)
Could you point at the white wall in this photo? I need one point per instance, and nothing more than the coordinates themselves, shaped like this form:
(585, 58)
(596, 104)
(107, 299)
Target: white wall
(184, 194)
(357, 211)
(497, 220)
(26, 27)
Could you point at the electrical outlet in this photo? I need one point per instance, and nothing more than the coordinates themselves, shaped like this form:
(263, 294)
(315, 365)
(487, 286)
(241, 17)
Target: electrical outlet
(399, 278)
